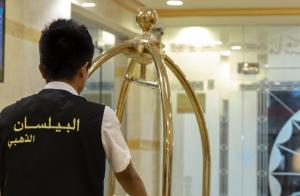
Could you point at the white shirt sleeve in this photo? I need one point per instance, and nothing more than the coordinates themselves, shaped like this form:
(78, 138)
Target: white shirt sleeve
(116, 150)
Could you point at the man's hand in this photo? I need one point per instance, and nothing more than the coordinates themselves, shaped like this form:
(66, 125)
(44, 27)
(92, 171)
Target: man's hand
(131, 181)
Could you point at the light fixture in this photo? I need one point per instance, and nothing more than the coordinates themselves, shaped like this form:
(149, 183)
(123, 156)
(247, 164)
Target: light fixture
(236, 47)
(108, 38)
(217, 43)
(88, 4)
(277, 83)
(175, 2)
(226, 53)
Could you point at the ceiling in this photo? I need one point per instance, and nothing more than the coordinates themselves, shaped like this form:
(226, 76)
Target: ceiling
(220, 4)
(226, 12)
(221, 12)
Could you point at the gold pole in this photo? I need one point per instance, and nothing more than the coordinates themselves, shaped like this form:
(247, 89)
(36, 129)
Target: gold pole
(142, 82)
(201, 123)
(97, 63)
(120, 113)
(111, 183)
(165, 92)
(146, 18)
(100, 60)
(124, 92)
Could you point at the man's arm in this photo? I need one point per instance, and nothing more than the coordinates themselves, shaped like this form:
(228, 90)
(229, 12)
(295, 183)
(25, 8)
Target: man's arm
(131, 181)
(118, 154)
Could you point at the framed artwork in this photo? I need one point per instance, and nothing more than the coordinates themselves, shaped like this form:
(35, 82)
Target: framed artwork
(278, 138)
(184, 105)
(2, 24)
(284, 142)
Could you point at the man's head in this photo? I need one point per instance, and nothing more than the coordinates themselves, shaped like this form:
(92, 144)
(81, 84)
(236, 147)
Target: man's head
(66, 52)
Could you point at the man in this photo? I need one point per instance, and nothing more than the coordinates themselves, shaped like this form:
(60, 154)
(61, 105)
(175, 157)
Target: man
(54, 143)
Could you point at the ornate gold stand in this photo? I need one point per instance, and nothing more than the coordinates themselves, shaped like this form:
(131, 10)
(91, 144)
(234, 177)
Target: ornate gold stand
(143, 50)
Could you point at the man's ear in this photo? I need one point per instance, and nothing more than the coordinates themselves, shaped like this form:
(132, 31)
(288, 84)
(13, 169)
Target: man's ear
(84, 70)
(42, 71)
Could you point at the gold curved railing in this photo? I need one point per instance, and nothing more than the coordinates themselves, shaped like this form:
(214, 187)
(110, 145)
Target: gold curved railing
(144, 46)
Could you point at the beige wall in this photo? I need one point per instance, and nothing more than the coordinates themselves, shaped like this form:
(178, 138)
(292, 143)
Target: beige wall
(111, 15)
(24, 21)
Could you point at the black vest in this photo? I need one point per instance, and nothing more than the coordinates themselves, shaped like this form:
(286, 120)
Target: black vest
(50, 145)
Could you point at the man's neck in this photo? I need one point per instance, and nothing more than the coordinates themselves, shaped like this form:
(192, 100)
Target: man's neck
(71, 83)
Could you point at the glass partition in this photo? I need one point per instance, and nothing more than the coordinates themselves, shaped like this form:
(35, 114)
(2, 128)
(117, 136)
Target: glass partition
(249, 78)
(246, 79)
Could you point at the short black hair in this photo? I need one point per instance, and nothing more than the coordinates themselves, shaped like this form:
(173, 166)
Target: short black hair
(65, 46)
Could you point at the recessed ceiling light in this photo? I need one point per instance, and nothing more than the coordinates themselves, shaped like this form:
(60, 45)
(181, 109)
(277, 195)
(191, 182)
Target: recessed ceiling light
(88, 4)
(175, 2)
(236, 47)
